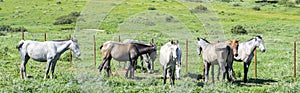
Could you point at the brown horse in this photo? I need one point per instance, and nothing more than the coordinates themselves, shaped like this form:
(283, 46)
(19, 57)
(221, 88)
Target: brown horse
(123, 52)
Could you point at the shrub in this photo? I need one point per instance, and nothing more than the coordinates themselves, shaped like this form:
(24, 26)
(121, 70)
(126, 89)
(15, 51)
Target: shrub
(256, 8)
(238, 29)
(67, 19)
(12, 29)
(199, 8)
(151, 8)
(236, 4)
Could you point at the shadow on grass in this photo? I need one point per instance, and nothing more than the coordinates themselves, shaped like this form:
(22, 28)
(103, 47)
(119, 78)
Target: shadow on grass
(254, 82)
(193, 76)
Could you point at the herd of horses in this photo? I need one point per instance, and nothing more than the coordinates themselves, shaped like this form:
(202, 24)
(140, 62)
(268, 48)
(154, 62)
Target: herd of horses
(219, 53)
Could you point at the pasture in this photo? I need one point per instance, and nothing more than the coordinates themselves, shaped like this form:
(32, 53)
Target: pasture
(143, 20)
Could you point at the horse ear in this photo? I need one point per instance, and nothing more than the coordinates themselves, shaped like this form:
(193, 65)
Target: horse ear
(172, 42)
(177, 41)
(228, 42)
(198, 38)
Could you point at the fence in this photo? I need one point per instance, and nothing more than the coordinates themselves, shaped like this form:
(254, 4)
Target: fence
(191, 58)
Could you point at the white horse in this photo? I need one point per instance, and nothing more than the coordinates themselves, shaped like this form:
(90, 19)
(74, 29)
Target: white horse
(169, 58)
(245, 52)
(49, 51)
(218, 53)
(144, 57)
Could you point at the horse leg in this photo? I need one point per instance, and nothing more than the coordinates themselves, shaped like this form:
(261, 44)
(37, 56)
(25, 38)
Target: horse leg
(142, 63)
(148, 66)
(165, 75)
(223, 69)
(246, 67)
(102, 64)
(127, 71)
(107, 67)
(218, 77)
(212, 73)
(25, 59)
(207, 65)
(177, 69)
(49, 61)
(52, 68)
(172, 75)
(132, 69)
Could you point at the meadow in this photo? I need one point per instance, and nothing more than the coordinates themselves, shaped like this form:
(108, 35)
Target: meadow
(161, 20)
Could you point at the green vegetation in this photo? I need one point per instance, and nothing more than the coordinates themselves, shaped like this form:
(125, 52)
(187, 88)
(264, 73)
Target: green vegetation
(278, 24)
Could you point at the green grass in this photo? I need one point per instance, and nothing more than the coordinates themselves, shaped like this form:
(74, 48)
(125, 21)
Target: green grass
(279, 26)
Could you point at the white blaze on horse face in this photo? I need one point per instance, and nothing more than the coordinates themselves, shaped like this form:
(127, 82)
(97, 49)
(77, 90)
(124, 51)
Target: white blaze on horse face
(261, 45)
(174, 52)
(75, 48)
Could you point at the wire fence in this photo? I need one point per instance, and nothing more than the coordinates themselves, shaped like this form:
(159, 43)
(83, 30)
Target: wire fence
(280, 53)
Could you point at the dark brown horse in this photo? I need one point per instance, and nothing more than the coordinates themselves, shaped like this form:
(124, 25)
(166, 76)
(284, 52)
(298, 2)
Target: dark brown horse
(123, 52)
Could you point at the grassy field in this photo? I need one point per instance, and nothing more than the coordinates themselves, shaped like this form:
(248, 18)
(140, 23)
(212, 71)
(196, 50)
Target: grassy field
(162, 20)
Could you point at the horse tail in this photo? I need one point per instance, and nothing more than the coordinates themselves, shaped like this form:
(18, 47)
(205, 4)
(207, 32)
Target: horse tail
(20, 44)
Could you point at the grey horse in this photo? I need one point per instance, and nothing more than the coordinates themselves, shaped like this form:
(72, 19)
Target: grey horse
(49, 51)
(145, 57)
(123, 52)
(169, 58)
(217, 53)
(245, 52)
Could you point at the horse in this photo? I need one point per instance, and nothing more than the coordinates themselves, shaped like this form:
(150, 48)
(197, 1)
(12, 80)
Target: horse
(123, 52)
(170, 56)
(245, 52)
(48, 51)
(217, 53)
(145, 57)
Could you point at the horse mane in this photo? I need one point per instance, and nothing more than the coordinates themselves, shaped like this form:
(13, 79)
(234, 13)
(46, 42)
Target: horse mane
(142, 44)
(61, 40)
(255, 37)
(205, 40)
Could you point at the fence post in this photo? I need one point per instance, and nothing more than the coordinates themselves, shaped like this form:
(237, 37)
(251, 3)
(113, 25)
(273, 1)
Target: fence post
(255, 63)
(94, 50)
(119, 38)
(22, 35)
(45, 37)
(152, 41)
(295, 59)
(187, 53)
(70, 53)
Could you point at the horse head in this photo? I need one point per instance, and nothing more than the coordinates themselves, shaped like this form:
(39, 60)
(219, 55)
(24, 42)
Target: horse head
(173, 48)
(234, 44)
(259, 42)
(202, 43)
(75, 47)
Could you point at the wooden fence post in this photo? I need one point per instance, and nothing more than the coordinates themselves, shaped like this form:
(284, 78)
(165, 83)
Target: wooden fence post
(255, 63)
(94, 50)
(45, 37)
(119, 38)
(152, 41)
(70, 53)
(187, 53)
(295, 59)
(22, 35)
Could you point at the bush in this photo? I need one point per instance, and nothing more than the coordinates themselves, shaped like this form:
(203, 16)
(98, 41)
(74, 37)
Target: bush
(151, 8)
(286, 3)
(67, 19)
(256, 8)
(199, 8)
(238, 29)
(12, 29)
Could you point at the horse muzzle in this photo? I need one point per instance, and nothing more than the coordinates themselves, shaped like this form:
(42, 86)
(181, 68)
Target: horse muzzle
(264, 50)
(235, 55)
